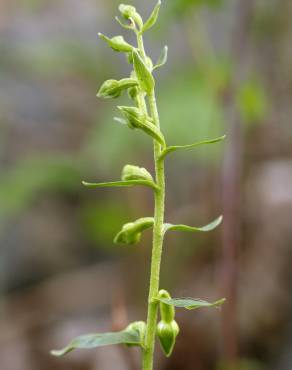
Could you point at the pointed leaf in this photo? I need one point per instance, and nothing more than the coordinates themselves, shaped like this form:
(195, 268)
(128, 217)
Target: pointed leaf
(143, 74)
(209, 227)
(117, 43)
(131, 232)
(131, 336)
(116, 184)
(153, 17)
(162, 58)
(170, 149)
(191, 303)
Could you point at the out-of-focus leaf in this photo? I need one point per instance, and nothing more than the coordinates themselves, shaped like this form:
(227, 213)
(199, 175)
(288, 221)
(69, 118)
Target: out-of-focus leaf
(252, 102)
(211, 226)
(22, 184)
(191, 303)
(182, 7)
(170, 149)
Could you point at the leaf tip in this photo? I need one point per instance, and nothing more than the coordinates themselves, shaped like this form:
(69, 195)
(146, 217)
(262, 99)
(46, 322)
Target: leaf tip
(56, 353)
(220, 302)
(85, 183)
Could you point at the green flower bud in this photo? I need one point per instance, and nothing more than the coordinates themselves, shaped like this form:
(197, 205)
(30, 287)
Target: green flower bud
(135, 173)
(129, 12)
(114, 88)
(131, 232)
(140, 327)
(134, 116)
(167, 333)
(137, 120)
(167, 312)
(117, 43)
(133, 92)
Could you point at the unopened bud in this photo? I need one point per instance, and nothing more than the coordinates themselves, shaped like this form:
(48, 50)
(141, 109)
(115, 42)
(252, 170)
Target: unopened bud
(114, 88)
(117, 43)
(131, 172)
(167, 333)
(129, 12)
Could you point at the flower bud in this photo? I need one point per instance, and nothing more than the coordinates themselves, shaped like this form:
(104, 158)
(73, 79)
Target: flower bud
(133, 92)
(114, 88)
(167, 333)
(167, 312)
(140, 326)
(133, 115)
(135, 173)
(137, 120)
(127, 236)
(131, 232)
(129, 12)
(117, 43)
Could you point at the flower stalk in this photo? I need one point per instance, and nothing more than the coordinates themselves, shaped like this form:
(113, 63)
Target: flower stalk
(143, 116)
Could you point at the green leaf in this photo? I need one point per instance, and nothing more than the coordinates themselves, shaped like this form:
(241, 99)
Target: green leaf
(117, 43)
(209, 227)
(114, 88)
(162, 59)
(153, 17)
(131, 232)
(116, 184)
(143, 74)
(170, 149)
(191, 303)
(131, 336)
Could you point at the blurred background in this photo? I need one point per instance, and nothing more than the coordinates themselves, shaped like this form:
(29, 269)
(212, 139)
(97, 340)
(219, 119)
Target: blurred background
(229, 71)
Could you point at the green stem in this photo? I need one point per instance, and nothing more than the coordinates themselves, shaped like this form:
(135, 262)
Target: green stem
(148, 353)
